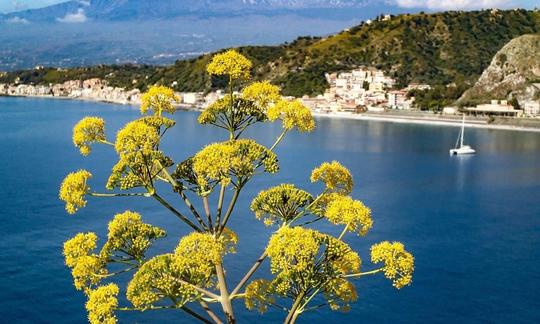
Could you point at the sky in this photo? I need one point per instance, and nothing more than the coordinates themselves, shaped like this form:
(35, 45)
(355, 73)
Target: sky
(16, 5)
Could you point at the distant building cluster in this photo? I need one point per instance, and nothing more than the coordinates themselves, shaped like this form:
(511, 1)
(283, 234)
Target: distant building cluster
(362, 89)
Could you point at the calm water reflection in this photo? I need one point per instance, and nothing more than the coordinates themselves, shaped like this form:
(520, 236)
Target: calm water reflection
(473, 223)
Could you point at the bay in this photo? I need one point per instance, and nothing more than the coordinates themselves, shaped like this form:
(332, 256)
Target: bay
(472, 223)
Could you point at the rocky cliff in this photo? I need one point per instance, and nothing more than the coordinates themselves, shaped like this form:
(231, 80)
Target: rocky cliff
(514, 72)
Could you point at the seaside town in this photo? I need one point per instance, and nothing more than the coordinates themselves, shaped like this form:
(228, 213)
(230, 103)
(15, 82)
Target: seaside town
(364, 89)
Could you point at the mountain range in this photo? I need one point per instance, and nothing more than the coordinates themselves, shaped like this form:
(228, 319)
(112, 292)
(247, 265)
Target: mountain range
(89, 32)
(448, 50)
(122, 10)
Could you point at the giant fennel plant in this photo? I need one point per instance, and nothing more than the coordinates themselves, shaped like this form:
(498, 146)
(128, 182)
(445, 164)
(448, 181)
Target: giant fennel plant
(306, 265)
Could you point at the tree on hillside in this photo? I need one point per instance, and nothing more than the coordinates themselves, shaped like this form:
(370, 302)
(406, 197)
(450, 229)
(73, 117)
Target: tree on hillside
(305, 263)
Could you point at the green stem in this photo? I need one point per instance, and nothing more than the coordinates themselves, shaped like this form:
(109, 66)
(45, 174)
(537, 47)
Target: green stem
(220, 205)
(360, 274)
(279, 139)
(210, 312)
(178, 188)
(95, 194)
(294, 311)
(248, 274)
(207, 211)
(230, 209)
(344, 231)
(176, 212)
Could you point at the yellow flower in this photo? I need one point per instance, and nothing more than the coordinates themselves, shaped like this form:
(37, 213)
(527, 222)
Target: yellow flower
(293, 114)
(101, 304)
(280, 204)
(159, 99)
(80, 245)
(340, 293)
(73, 189)
(230, 63)
(156, 280)
(335, 176)
(259, 295)
(201, 252)
(353, 213)
(88, 271)
(193, 261)
(87, 131)
(262, 93)
(398, 263)
(301, 259)
(136, 136)
(221, 162)
(127, 233)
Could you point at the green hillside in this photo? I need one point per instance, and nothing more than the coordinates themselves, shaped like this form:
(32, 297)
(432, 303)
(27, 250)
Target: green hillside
(439, 49)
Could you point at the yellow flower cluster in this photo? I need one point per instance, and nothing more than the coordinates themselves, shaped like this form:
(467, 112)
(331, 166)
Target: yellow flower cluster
(280, 204)
(199, 253)
(101, 304)
(136, 136)
(340, 293)
(128, 233)
(262, 94)
(73, 189)
(222, 161)
(258, 295)
(230, 63)
(302, 259)
(335, 176)
(233, 114)
(293, 114)
(137, 169)
(159, 99)
(155, 280)
(87, 131)
(353, 213)
(194, 262)
(398, 263)
(80, 245)
(86, 268)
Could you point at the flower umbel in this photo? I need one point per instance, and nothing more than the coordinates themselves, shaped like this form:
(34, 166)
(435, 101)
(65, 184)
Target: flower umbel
(159, 99)
(293, 114)
(230, 63)
(73, 189)
(88, 131)
(101, 304)
(237, 159)
(335, 176)
(353, 213)
(398, 263)
(128, 234)
(262, 94)
(280, 204)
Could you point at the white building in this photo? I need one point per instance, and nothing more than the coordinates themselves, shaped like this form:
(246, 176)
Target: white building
(531, 108)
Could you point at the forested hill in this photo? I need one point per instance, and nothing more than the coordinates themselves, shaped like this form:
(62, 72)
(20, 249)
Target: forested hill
(440, 48)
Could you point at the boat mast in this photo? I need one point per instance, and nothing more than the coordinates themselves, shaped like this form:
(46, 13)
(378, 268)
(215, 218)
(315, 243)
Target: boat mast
(462, 130)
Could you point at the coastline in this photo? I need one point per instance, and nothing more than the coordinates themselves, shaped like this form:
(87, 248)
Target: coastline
(380, 117)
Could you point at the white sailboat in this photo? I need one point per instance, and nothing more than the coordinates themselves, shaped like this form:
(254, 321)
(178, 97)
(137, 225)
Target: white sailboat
(460, 148)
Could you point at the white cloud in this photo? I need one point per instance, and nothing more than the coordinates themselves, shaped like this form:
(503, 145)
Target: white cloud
(85, 2)
(17, 20)
(77, 17)
(454, 4)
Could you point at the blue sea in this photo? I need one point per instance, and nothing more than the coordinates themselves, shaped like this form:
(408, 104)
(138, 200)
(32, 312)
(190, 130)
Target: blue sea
(472, 222)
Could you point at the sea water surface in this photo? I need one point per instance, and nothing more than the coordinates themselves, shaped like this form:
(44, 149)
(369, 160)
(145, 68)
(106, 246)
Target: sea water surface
(472, 222)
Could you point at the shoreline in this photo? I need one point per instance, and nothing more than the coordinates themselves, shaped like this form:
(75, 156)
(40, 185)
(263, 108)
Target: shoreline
(380, 117)
(433, 121)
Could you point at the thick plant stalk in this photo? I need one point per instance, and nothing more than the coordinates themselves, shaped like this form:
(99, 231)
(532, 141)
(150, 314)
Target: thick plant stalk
(225, 298)
(294, 312)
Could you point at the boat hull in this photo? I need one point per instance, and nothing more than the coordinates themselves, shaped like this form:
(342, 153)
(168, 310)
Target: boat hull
(462, 150)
